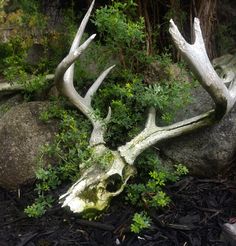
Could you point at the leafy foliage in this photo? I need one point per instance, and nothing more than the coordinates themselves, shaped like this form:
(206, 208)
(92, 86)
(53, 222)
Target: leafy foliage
(150, 192)
(123, 34)
(16, 73)
(23, 27)
(69, 150)
(39, 207)
(130, 99)
(140, 221)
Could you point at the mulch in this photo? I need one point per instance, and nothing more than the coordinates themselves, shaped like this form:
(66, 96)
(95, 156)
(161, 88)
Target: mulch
(195, 217)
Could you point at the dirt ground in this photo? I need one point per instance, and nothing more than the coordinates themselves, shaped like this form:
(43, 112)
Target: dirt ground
(199, 208)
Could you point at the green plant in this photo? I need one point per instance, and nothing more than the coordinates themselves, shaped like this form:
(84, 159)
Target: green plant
(26, 21)
(39, 207)
(129, 99)
(24, 26)
(150, 192)
(225, 34)
(140, 221)
(123, 33)
(68, 151)
(15, 72)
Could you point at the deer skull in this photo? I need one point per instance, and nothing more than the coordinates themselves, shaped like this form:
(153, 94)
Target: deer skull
(97, 185)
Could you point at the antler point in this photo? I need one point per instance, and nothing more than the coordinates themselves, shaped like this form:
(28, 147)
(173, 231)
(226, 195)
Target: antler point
(93, 36)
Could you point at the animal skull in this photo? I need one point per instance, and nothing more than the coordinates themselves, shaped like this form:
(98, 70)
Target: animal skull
(97, 185)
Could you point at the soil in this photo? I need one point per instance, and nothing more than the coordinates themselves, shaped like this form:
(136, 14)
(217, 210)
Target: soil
(195, 217)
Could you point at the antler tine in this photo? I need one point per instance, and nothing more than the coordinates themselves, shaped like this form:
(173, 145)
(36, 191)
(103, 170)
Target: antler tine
(92, 90)
(64, 85)
(64, 82)
(151, 121)
(81, 29)
(197, 58)
(68, 77)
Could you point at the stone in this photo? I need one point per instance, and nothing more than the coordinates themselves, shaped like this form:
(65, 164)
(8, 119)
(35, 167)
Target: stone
(206, 152)
(22, 134)
(210, 151)
(7, 102)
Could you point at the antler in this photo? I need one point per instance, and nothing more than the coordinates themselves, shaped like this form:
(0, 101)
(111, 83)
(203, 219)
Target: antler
(197, 58)
(64, 81)
(224, 98)
(98, 185)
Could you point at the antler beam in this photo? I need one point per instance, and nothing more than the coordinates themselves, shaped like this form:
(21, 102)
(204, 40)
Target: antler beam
(224, 98)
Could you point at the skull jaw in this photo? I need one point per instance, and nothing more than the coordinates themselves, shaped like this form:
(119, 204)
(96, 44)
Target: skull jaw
(93, 192)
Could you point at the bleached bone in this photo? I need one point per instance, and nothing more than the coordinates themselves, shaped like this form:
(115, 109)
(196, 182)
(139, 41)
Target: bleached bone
(98, 185)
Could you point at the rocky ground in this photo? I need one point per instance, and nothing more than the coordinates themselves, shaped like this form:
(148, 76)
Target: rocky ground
(195, 217)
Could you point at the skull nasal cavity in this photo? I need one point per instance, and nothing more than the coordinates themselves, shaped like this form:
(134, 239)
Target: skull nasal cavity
(114, 183)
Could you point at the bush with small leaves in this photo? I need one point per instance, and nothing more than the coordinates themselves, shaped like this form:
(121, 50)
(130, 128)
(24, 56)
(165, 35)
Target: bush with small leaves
(140, 222)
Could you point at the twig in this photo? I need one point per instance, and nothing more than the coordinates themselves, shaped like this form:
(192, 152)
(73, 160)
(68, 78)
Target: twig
(211, 210)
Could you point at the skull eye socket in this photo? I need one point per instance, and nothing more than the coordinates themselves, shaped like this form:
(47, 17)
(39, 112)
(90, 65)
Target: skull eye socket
(114, 183)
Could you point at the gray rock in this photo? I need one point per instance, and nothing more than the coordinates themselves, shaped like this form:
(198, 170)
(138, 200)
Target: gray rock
(22, 134)
(6, 103)
(206, 152)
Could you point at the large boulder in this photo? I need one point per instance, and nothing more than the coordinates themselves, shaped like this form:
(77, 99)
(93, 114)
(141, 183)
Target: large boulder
(206, 152)
(22, 134)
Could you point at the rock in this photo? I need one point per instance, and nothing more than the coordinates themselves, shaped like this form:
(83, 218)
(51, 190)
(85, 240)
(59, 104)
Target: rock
(22, 134)
(6, 103)
(206, 152)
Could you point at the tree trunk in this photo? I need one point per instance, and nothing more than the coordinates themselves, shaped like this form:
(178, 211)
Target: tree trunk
(206, 11)
(183, 12)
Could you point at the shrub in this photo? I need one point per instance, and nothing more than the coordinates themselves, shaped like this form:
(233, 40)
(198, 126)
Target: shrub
(130, 97)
